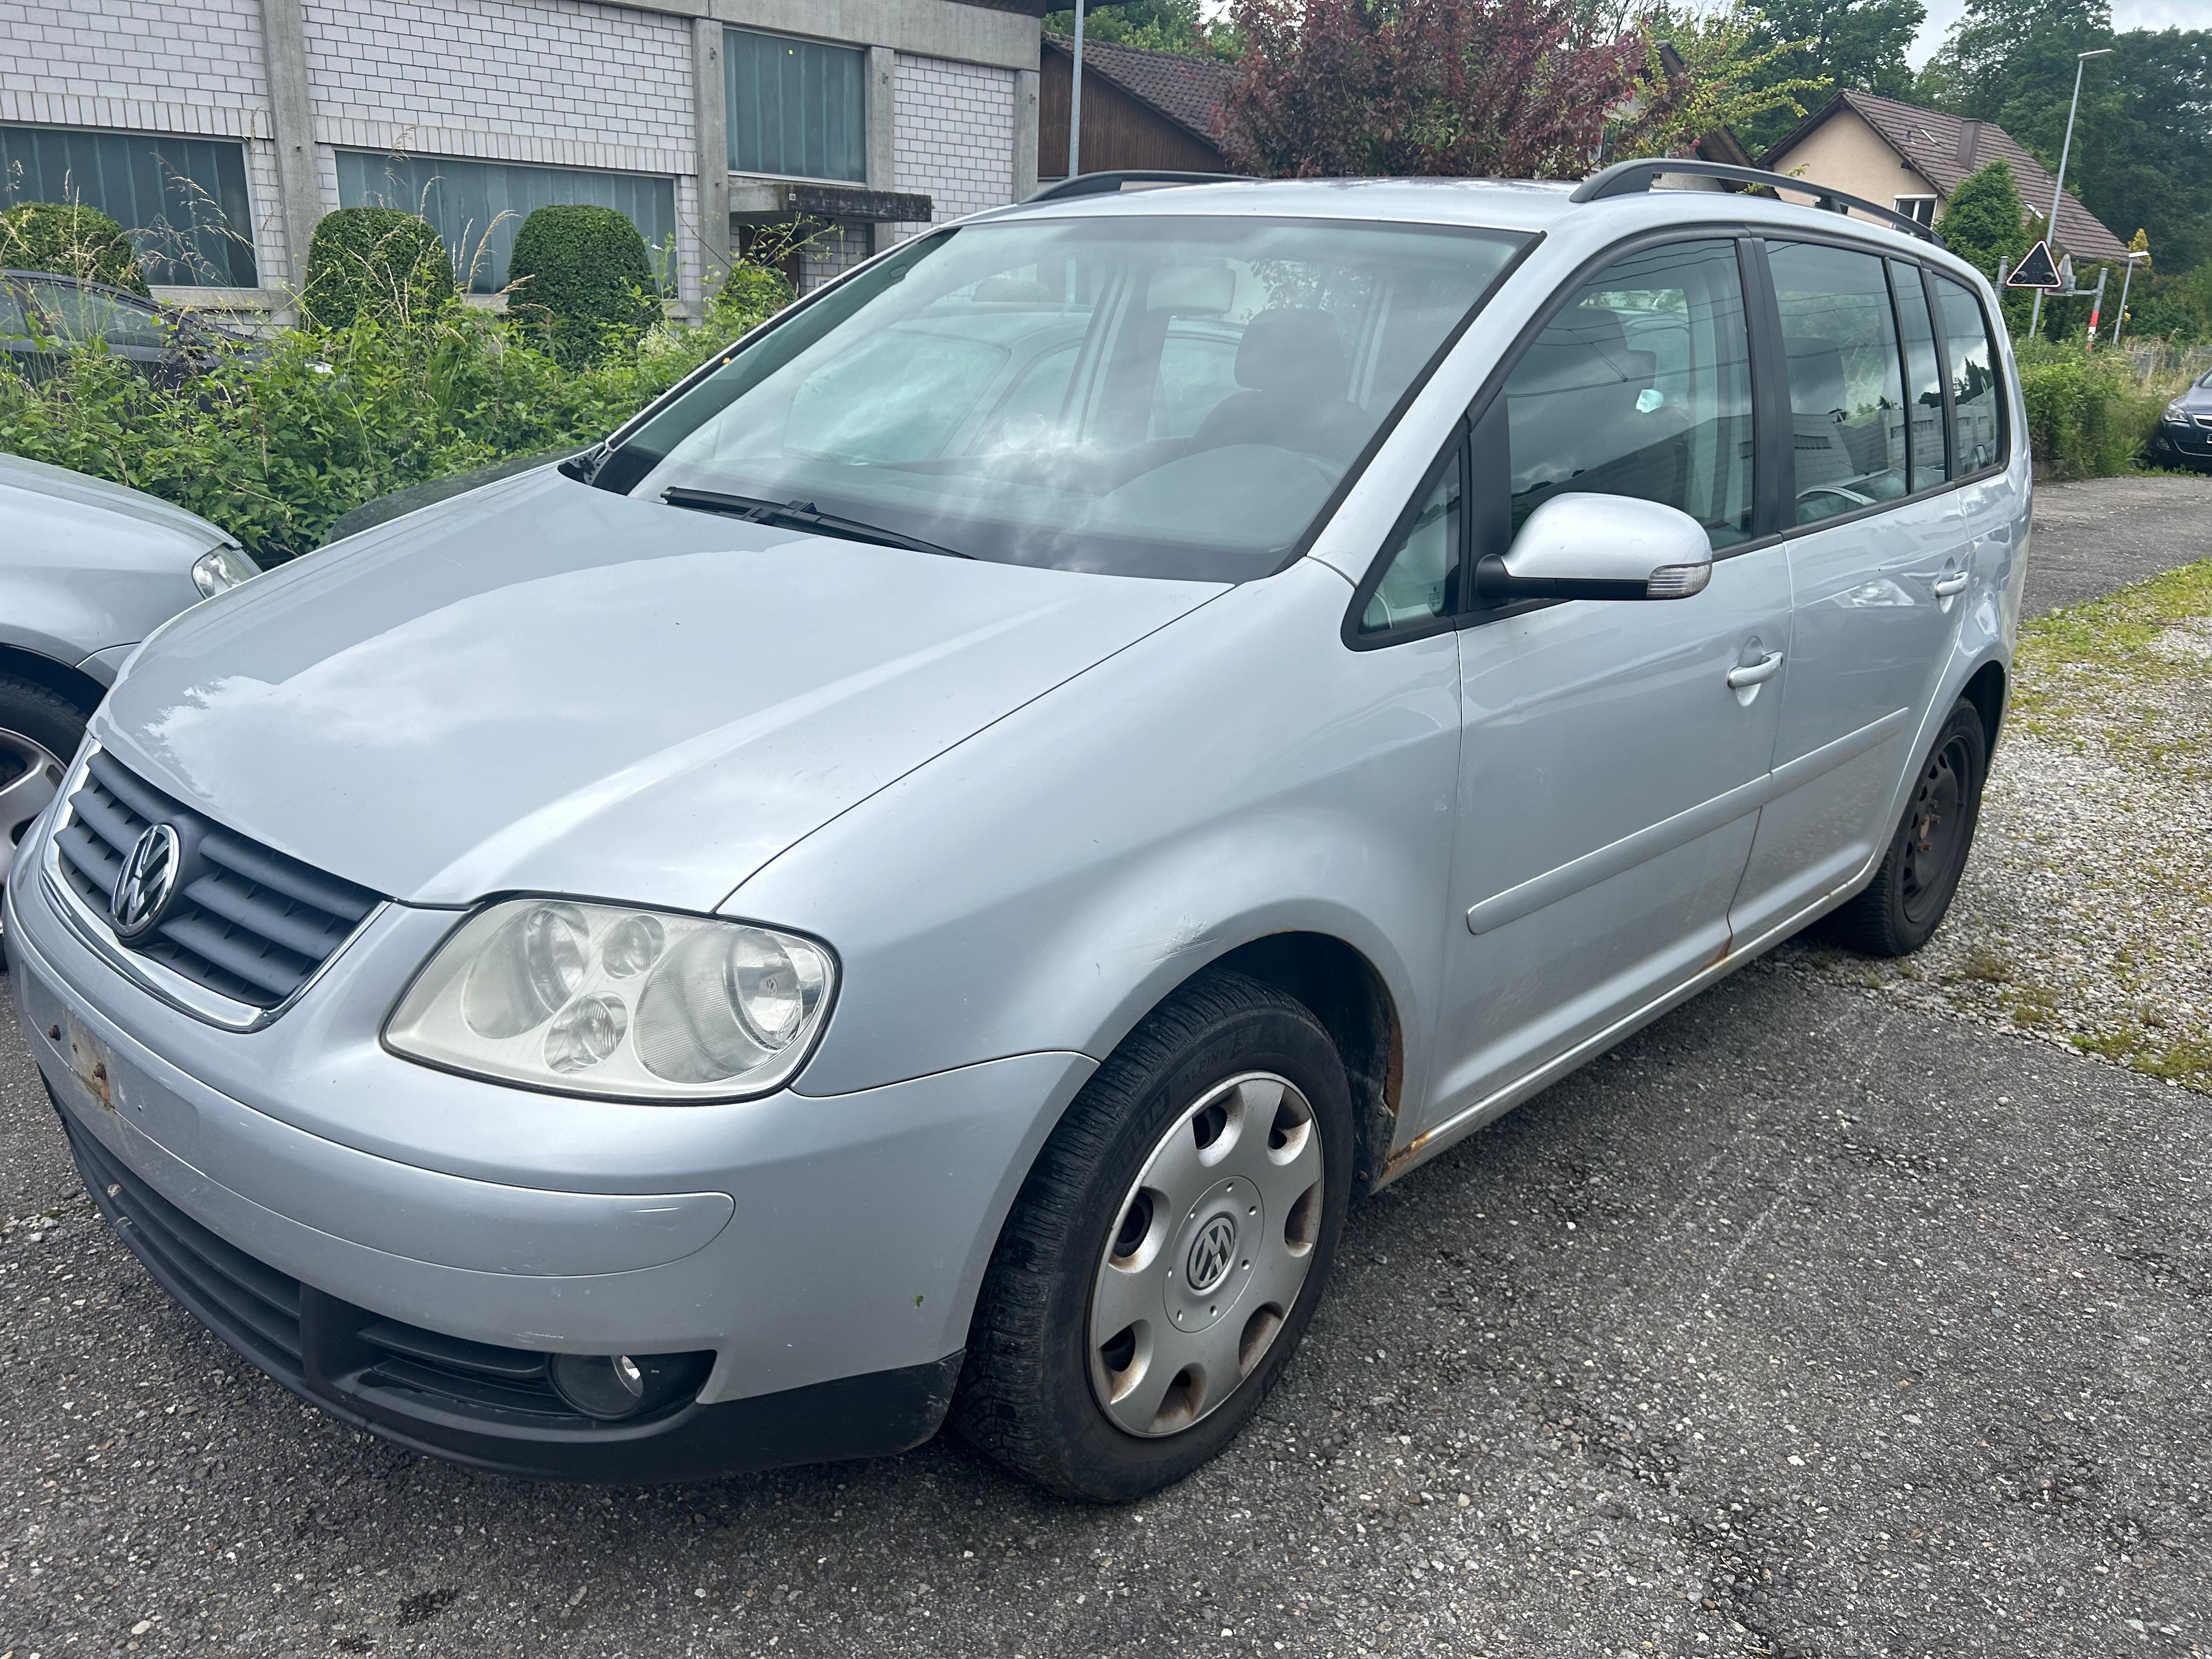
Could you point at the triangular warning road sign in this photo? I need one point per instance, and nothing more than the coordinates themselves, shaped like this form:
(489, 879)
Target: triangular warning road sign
(2036, 270)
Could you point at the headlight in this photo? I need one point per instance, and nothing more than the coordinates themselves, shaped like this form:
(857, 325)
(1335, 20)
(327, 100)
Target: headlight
(221, 568)
(2176, 415)
(603, 1000)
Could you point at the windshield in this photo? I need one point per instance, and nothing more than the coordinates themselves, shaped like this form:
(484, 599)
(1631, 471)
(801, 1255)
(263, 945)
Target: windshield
(1157, 396)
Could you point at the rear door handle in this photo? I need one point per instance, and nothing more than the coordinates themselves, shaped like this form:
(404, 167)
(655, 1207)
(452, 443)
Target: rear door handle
(1954, 584)
(1755, 673)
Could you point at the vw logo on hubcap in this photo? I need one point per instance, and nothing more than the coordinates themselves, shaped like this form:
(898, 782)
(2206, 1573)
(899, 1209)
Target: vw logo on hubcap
(148, 880)
(1210, 1253)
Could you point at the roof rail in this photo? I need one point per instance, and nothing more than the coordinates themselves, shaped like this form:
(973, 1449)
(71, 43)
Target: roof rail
(1632, 177)
(1107, 183)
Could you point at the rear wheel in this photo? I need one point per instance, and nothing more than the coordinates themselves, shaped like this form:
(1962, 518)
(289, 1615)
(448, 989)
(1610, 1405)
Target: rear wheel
(39, 730)
(1911, 892)
(1167, 1251)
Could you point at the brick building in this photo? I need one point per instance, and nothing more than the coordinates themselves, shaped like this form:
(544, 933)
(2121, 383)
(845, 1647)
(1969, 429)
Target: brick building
(218, 131)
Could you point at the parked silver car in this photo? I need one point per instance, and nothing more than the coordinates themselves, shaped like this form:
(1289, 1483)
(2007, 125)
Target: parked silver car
(86, 570)
(923, 876)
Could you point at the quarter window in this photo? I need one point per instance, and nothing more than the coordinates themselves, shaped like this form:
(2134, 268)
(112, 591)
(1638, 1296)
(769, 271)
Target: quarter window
(1642, 386)
(1846, 396)
(797, 107)
(1972, 364)
(1421, 582)
(1923, 379)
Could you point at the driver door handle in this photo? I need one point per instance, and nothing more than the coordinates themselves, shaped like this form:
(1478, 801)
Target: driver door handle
(1755, 673)
(1947, 587)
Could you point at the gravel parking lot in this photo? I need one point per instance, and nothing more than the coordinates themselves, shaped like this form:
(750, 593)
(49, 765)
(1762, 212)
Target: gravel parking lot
(1811, 1322)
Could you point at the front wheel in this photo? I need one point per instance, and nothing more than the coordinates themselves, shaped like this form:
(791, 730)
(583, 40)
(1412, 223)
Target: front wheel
(1167, 1251)
(1911, 891)
(39, 731)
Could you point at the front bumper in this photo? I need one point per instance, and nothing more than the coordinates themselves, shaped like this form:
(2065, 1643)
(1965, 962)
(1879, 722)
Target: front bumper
(2190, 444)
(826, 1251)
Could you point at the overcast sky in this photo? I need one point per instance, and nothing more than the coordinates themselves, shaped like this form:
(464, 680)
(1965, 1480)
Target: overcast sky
(2126, 14)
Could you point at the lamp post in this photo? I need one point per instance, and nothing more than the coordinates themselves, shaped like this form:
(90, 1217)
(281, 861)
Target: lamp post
(2058, 187)
(2120, 317)
(1075, 100)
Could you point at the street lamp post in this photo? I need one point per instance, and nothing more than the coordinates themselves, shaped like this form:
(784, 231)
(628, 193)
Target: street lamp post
(2120, 317)
(1075, 100)
(2058, 189)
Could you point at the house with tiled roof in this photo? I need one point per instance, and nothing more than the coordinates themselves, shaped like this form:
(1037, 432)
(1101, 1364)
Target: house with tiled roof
(1897, 153)
(1153, 111)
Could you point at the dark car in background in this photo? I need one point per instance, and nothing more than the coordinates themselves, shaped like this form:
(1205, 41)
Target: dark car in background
(2185, 435)
(45, 316)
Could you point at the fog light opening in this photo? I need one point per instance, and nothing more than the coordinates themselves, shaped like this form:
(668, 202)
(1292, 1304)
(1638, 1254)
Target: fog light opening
(612, 1387)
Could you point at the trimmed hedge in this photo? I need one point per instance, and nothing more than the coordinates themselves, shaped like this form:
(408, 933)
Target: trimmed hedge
(581, 279)
(375, 262)
(71, 239)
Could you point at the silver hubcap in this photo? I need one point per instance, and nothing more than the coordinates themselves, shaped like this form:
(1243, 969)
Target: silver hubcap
(28, 777)
(1208, 1254)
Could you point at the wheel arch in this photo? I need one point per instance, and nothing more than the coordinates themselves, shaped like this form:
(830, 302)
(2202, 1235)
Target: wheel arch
(1989, 689)
(73, 684)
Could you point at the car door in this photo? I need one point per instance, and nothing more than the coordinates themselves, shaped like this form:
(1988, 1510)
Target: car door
(1879, 556)
(1611, 751)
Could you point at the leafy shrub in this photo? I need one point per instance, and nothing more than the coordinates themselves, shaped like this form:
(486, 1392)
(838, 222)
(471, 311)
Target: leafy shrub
(2089, 416)
(751, 291)
(580, 278)
(276, 448)
(376, 262)
(1984, 225)
(72, 239)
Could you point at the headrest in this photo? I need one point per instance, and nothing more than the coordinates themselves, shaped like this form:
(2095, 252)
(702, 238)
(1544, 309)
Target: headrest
(1294, 349)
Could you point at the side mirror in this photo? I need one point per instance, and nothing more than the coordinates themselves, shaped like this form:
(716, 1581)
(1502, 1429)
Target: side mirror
(1600, 547)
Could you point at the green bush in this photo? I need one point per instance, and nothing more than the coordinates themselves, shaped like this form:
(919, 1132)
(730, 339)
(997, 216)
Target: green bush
(581, 279)
(1983, 225)
(277, 448)
(72, 239)
(375, 262)
(2089, 416)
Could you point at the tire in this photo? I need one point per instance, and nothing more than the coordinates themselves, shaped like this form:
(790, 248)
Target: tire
(40, 731)
(1070, 1408)
(1911, 891)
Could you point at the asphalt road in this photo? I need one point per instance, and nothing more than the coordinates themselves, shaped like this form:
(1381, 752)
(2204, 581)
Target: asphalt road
(1801, 1325)
(2103, 534)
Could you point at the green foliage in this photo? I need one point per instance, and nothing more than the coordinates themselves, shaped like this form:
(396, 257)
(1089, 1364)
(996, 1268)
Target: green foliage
(581, 280)
(2088, 416)
(375, 262)
(2142, 141)
(1857, 46)
(69, 237)
(1158, 25)
(277, 449)
(1984, 225)
(752, 294)
(1735, 73)
(2176, 306)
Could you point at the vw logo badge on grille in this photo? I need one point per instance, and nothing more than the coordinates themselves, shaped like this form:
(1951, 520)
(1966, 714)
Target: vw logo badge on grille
(1210, 1253)
(148, 881)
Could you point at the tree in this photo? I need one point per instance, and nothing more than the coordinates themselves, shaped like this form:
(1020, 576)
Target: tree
(1730, 73)
(1985, 225)
(1158, 25)
(1496, 87)
(1854, 45)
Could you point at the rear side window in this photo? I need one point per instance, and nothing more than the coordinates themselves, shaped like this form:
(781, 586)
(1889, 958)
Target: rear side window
(1972, 367)
(1642, 386)
(1924, 378)
(1846, 394)
(79, 314)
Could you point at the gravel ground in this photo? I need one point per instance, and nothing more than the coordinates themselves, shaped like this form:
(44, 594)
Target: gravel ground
(1816, 1321)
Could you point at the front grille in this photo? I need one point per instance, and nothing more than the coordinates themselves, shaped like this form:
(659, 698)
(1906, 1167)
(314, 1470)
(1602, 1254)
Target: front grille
(309, 1341)
(250, 924)
(2205, 421)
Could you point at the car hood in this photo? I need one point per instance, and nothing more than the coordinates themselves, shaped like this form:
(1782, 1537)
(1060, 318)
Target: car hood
(541, 686)
(64, 511)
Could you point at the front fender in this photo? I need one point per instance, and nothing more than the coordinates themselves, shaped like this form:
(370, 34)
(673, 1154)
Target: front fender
(1042, 885)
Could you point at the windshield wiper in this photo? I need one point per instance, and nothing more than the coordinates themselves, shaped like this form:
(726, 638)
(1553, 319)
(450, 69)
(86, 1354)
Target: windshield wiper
(800, 515)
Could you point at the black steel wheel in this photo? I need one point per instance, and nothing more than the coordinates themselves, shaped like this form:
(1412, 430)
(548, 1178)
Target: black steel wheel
(1911, 891)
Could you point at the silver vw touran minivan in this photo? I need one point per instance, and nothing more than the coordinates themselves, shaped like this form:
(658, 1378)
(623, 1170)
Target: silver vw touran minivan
(922, 876)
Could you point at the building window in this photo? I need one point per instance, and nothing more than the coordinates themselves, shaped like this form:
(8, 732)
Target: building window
(797, 108)
(1921, 210)
(182, 200)
(477, 206)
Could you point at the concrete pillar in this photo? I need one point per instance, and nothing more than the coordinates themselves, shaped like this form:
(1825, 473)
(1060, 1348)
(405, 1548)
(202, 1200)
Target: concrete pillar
(881, 124)
(292, 125)
(1025, 134)
(710, 123)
